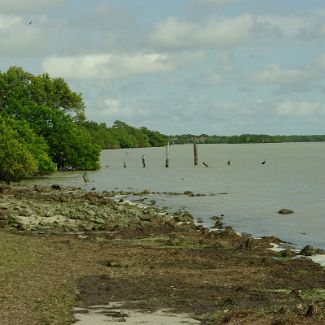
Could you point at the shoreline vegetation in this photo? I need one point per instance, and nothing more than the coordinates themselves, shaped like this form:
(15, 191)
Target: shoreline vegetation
(64, 247)
(43, 128)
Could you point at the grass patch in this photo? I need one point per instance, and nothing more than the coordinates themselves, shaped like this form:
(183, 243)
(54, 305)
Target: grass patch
(313, 294)
(57, 308)
(280, 290)
(211, 318)
(14, 256)
(160, 242)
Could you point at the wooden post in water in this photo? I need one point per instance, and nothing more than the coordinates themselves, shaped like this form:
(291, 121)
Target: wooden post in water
(85, 177)
(143, 161)
(167, 155)
(196, 159)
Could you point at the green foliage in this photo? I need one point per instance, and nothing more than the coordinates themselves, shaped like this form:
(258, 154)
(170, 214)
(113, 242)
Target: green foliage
(317, 294)
(244, 138)
(36, 145)
(19, 88)
(16, 161)
(48, 119)
(121, 135)
(101, 135)
(79, 151)
(47, 116)
(155, 138)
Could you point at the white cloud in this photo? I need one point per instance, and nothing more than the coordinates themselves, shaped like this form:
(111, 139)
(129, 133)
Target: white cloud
(114, 109)
(299, 79)
(214, 78)
(106, 66)
(274, 73)
(227, 60)
(321, 30)
(18, 37)
(29, 5)
(320, 61)
(290, 108)
(211, 3)
(7, 22)
(109, 109)
(288, 26)
(115, 66)
(227, 32)
(175, 33)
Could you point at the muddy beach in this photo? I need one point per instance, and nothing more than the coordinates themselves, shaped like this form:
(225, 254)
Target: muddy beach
(62, 248)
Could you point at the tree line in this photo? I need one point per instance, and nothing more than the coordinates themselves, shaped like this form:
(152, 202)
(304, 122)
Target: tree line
(244, 138)
(43, 128)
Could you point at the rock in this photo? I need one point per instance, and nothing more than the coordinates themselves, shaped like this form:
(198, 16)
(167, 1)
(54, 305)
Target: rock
(285, 211)
(229, 231)
(311, 311)
(189, 193)
(310, 250)
(3, 223)
(216, 218)
(248, 243)
(4, 213)
(218, 224)
(56, 187)
(145, 217)
(286, 253)
(111, 263)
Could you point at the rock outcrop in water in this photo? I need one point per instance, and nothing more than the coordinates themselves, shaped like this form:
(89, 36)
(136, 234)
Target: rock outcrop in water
(285, 211)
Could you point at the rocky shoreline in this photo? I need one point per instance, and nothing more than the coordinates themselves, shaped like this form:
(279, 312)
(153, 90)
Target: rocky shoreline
(112, 250)
(59, 210)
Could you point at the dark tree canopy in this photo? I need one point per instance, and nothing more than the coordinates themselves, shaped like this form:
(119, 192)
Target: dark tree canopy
(43, 128)
(40, 116)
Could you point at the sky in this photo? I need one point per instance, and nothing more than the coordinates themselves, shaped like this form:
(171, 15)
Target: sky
(219, 67)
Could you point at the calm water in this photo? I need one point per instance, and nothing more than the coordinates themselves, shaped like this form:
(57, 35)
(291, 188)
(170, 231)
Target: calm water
(293, 177)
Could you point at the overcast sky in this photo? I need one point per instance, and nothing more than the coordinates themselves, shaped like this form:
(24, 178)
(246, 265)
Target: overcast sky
(179, 66)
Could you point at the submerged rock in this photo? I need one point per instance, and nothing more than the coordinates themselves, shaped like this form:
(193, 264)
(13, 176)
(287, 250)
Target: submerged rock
(285, 211)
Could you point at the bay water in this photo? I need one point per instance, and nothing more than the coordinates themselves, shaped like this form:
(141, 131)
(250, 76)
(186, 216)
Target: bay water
(247, 193)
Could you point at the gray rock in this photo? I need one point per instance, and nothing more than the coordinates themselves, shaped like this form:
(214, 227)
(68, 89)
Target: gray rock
(285, 211)
(308, 251)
